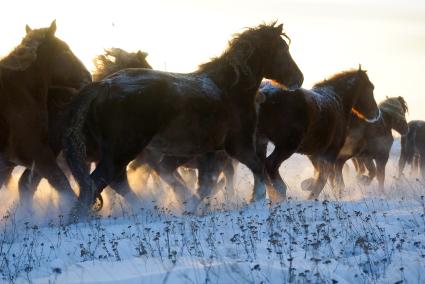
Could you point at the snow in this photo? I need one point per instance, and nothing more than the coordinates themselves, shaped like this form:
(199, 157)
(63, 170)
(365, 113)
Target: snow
(363, 238)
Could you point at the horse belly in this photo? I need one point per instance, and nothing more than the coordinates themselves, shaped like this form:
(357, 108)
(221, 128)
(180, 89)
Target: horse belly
(187, 136)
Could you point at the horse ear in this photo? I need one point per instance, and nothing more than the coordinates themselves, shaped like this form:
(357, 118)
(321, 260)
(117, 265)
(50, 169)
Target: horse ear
(52, 28)
(360, 67)
(279, 29)
(142, 54)
(27, 29)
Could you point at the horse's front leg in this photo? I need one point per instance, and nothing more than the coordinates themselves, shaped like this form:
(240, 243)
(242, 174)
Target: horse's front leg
(167, 170)
(324, 168)
(243, 149)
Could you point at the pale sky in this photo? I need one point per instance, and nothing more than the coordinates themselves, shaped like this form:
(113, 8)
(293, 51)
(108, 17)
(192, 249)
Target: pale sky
(386, 36)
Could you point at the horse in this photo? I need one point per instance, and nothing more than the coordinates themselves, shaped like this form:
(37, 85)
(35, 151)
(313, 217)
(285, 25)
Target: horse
(59, 98)
(369, 142)
(413, 148)
(311, 122)
(40, 61)
(179, 114)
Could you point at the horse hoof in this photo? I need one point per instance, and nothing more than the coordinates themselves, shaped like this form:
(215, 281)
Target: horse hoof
(79, 212)
(191, 204)
(98, 204)
(307, 184)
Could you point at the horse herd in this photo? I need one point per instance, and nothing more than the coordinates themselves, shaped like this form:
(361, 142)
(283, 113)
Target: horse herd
(222, 113)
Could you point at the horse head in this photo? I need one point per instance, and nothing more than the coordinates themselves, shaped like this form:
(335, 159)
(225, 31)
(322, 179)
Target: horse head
(365, 106)
(279, 65)
(395, 110)
(64, 68)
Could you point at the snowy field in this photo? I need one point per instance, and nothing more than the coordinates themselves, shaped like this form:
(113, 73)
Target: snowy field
(363, 238)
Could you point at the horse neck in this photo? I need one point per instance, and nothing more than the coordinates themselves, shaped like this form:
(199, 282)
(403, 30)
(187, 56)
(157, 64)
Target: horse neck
(348, 95)
(37, 77)
(238, 86)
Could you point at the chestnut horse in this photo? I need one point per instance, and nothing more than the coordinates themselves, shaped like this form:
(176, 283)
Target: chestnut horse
(40, 61)
(372, 141)
(179, 114)
(311, 122)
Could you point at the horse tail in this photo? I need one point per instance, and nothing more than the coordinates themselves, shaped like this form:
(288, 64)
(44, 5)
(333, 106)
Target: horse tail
(409, 146)
(74, 140)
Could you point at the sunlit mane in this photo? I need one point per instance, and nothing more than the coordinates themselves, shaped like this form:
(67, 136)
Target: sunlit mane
(240, 49)
(340, 78)
(116, 59)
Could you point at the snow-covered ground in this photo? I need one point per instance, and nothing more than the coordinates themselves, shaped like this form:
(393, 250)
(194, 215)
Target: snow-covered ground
(363, 238)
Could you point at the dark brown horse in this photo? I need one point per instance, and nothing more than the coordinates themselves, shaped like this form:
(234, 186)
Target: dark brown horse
(179, 114)
(372, 141)
(39, 62)
(313, 123)
(413, 148)
(59, 98)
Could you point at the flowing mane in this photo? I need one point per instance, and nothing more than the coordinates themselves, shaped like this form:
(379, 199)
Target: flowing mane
(26, 52)
(240, 49)
(116, 59)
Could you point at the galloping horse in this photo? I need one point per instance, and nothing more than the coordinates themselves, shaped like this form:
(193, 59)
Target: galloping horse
(59, 98)
(179, 114)
(413, 147)
(372, 141)
(312, 122)
(39, 62)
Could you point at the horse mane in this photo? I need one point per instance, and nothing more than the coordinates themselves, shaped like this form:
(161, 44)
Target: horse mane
(239, 51)
(26, 52)
(341, 78)
(395, 107)
(115, 59)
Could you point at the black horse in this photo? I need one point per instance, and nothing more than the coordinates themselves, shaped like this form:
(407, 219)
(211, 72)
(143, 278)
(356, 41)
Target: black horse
(179, 114)
(369, 142)
(413, 147)
(313, 123)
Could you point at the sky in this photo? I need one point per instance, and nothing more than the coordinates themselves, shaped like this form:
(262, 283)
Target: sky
(386, 36)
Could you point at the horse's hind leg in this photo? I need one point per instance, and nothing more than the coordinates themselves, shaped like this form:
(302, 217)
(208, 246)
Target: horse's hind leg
(209, 167)
(336, 170)
(380, 172)
(403, 156)
(421, 162)
(229, 174)
(122, 186)
(167, 170)
(416, 164)
(45, 165)
(372, 171)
